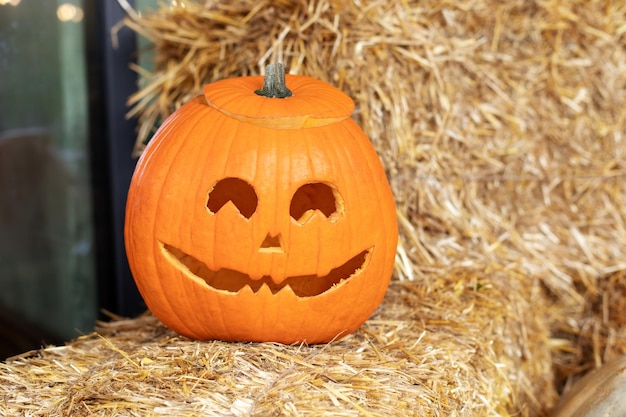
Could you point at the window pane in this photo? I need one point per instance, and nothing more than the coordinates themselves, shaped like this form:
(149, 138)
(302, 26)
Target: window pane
(46, 247)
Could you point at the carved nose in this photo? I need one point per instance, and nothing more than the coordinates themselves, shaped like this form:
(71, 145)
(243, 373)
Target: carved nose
(272, 244)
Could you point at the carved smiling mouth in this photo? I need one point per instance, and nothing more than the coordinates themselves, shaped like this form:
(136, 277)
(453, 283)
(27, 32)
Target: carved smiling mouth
(233, 281)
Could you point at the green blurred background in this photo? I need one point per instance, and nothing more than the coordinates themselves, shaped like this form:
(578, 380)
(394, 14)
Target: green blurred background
(48, 231)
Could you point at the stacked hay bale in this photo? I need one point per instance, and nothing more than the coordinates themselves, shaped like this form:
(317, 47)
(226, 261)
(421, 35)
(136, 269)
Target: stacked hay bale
(501, 126)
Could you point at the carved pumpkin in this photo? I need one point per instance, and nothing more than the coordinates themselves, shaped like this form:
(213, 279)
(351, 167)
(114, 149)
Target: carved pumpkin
(251, 218)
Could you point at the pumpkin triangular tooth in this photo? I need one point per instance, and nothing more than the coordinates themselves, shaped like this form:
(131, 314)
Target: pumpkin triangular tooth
(245, 290)
(287, 291)
(264, 291)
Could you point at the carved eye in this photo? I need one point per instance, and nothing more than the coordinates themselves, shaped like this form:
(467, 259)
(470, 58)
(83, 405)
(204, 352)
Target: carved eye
(235, 190)
(316, 196)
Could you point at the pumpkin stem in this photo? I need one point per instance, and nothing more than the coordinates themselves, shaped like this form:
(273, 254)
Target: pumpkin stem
(274, 82)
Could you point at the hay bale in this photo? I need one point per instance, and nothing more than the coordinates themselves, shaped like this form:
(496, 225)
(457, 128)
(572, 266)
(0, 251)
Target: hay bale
(501, 126)
(456, 351)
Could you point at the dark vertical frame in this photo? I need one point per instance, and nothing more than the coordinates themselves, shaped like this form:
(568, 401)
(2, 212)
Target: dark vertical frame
(112, 137)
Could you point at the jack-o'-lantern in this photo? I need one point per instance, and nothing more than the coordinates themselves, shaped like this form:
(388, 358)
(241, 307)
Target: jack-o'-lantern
(258, 215)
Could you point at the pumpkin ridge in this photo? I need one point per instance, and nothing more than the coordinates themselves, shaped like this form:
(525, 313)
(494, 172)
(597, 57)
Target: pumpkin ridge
(362, 162)
(195, 136)
(388, 229)
(173, 123)
(188, 142)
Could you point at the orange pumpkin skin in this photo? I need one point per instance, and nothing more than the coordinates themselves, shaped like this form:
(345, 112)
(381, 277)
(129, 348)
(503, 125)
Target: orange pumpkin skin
(261, 219)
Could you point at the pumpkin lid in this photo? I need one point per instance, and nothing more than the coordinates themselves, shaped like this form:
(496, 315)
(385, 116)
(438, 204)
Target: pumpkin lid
(313, 102)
